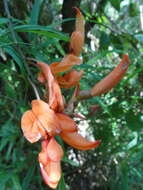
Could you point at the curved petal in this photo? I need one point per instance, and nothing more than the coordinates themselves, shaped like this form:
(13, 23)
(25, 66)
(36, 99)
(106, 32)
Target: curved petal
(30, 127)
(77, 37)
(67, 62)
(53, 170)
(70, 79)
(112, 79)
(79, 25)
(46, 116)
(55, 96)
(76, 43)
(66, 123)
(77, 141)
(51, 174)
(54, 150)
(41, 77)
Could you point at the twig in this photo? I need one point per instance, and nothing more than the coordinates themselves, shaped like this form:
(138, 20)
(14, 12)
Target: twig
(34, 88)
(84, 94)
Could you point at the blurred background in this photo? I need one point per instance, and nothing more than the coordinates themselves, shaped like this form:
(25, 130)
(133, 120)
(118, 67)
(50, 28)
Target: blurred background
(40, 30)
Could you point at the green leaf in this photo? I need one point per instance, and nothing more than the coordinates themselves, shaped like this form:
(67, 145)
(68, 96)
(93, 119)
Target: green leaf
(133, 142)
(28, 178)
(35, 12)
(14, 54)
(16, 182)
(4, 21)
(42, 30)
(104, 40)
(134, 122)
(116, 110)
(116, 4)
(71, 162)
(139, 37)
(62, 185)
(10, 90)
(133, 9)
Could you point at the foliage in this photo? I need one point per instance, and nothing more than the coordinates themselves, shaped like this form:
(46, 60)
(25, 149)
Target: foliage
(112, 29)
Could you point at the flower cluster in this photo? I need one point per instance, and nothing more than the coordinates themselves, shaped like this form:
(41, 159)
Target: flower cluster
(46, 119)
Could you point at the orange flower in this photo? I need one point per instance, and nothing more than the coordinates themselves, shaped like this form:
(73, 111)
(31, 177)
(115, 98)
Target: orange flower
(70, 79)
(112, 79)
(66, 64)
(42, 121)
(50, 162)
(77, 37)
(46, 120)
(39, 121)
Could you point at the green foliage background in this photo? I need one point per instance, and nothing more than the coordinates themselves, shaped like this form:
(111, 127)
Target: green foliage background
(33, 30)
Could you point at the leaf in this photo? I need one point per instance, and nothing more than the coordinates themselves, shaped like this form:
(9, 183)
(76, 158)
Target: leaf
(42, 30)
(139, 37)
(9, 150)
(4, 21)
(35, 12)
(27, 179)
(62, 185)
(104, 40)
(10, 91)
(16, 182)
(71, 162)
(116, 110)
(116, 4)
(13, 53)
(134, 122)
(134, 142)
(4, 177)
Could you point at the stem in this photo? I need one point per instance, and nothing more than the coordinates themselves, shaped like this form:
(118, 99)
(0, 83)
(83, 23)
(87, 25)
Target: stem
(34, 88)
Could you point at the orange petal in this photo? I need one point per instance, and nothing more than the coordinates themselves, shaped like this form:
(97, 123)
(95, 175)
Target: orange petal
(79, 26)
(46, 116)
(46, 176)
(41, 77)
(70, 79)
(77, 141)
(112, 79)
(66, 123)
(55, 96)
(43, 156)
(30, 127)
(67, 62)
(77, 37)
(53, 170)
(54, 151)
(76, 43)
